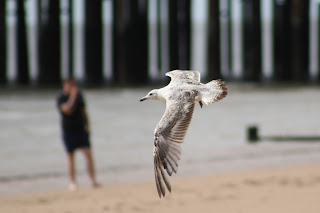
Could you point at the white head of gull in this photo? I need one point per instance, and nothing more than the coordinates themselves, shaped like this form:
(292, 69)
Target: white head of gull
(180, 96)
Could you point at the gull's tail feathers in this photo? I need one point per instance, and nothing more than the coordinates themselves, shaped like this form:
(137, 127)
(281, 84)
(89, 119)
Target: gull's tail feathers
(217, 90)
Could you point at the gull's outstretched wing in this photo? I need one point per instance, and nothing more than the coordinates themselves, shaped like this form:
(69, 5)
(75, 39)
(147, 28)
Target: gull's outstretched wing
(184, 76)
(168, 136)
(214, 91)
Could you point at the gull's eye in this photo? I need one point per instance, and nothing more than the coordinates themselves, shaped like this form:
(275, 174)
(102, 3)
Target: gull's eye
(151, 94)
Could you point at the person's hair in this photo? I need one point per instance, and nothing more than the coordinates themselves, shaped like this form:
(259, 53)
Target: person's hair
(69, 80)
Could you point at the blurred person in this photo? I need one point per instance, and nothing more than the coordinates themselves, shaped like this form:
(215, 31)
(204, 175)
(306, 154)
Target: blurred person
(75, 129)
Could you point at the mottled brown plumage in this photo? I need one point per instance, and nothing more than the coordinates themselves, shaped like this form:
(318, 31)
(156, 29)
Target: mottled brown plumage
(180, 96)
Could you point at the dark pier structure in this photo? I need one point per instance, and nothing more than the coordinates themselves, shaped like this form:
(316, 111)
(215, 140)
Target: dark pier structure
(121, 30)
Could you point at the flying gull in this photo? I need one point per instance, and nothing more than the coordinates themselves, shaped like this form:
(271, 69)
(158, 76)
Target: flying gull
(180, 96)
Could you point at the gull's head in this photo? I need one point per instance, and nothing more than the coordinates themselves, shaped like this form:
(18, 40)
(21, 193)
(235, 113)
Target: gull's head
(152, 95)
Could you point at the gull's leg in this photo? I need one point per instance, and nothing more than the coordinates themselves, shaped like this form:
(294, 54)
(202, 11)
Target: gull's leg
(201, 104)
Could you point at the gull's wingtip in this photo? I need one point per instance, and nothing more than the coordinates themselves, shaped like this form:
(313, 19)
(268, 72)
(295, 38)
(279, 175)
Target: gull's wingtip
(170, 72)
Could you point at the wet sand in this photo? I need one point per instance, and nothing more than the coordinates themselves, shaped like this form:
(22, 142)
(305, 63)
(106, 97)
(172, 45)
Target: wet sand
(293, 189)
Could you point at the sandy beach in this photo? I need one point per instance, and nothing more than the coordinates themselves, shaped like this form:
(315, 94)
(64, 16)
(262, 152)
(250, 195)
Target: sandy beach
(292, 189)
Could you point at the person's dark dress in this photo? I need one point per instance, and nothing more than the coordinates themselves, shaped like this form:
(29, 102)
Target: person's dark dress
(74, 131)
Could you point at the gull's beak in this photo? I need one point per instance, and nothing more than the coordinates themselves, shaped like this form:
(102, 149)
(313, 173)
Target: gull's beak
(142, 99)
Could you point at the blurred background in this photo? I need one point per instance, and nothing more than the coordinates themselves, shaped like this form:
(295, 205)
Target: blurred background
(128, 42)
(267, 51)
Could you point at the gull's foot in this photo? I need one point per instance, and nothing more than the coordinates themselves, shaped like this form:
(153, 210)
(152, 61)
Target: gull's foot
(201, 104)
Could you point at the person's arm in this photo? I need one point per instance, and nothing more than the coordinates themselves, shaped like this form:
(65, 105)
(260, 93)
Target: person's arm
(86, 120)
(68, 107)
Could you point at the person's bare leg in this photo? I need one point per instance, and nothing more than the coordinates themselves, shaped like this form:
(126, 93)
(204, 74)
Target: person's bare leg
(90, 166)
(71, 171)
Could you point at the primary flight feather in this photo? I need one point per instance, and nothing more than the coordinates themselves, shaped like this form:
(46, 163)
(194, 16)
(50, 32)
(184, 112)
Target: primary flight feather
(180, 96)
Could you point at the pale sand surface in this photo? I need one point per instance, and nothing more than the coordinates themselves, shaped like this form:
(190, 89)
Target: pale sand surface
(293, 190)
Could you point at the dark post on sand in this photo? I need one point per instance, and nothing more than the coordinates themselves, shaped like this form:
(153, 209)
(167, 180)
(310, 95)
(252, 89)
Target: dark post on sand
(252, 134)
